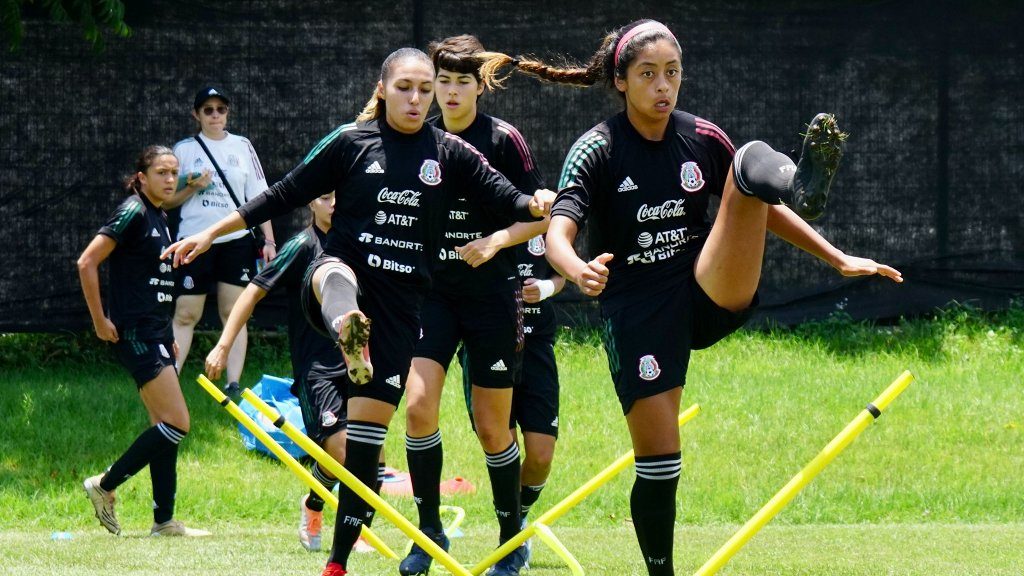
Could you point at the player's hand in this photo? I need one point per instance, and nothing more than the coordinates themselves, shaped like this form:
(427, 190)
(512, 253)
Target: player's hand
(187, 250)
(481, 250)
(269, 252)
(531, 292)
(105, 330)
(593, 277)
(856, 266)
(174, 347)
(540, 204)
(216, 360)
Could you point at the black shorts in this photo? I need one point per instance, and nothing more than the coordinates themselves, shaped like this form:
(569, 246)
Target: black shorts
(144, 358)
(648, 341)
(394, 313)
(491, 326)
(535, 397)
(229, 262)
(324, 403)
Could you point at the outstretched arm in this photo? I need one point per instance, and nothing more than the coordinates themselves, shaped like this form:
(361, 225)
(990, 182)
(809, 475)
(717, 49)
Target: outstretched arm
(483, 249)
(785, 224)
(217, 359)
(188, 249)
(88, 271)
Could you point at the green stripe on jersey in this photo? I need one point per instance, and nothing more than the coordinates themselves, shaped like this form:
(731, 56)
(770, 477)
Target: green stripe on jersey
(327, 140)
(124, 217)
(577, 154)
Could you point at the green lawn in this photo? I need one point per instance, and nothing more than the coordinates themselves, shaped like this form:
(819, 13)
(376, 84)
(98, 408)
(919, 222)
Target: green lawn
(934, 487)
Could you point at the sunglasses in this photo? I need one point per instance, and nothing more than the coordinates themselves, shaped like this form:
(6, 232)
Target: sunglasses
(209, 110)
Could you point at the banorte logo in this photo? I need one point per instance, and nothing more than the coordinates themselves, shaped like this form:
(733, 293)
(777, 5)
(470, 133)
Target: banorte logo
(401, 198)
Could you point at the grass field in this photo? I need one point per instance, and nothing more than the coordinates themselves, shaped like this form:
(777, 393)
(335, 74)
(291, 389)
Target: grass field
(934, 487)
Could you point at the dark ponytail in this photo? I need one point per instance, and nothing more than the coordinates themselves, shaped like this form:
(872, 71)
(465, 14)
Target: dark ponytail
(601, 66)
(375, 107)
(132, 185)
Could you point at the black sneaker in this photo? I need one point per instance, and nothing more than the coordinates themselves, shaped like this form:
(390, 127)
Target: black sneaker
(511, 565)
(819, 160)
(418, 561)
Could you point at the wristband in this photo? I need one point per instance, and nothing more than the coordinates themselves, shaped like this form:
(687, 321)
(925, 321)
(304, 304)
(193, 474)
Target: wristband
(269, 242)
(546, 287)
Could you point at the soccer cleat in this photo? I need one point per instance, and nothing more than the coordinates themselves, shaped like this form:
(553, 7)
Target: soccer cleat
(418, 561)
(511, 565)
(176, 528)
(354, 339)
(819, 159)
(310, 522)
(333, 569)
(103, 503)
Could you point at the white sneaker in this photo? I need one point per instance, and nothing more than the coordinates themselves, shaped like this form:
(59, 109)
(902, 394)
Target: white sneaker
(103, 503)
(176, 528)
(310, 522)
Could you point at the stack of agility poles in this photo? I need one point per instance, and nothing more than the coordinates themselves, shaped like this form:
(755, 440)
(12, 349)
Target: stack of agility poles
(541, 527)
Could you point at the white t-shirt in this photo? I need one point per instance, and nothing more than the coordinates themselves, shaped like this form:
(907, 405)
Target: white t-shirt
(237, 159)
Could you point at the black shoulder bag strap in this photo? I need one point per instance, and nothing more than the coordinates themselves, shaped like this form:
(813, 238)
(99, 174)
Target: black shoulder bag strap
(256, 233)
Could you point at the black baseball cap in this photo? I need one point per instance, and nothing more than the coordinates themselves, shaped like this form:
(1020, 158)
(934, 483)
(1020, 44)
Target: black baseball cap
(207, 93)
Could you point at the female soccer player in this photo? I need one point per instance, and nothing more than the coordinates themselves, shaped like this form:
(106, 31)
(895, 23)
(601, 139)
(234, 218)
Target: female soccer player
(474, 299)
(395, 181)
(220, 171)
(139, 325)
(318, 369)
(669, 281)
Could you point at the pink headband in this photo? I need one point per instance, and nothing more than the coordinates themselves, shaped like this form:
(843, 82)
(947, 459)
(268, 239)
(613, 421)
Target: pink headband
(651, 26)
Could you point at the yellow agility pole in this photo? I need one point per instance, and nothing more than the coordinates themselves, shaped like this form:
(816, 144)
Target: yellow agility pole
(288, 460)
(567, 503)
(790, 490)
(353, 483)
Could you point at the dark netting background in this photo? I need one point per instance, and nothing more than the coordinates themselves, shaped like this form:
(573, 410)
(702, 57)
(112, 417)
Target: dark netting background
(931, 92)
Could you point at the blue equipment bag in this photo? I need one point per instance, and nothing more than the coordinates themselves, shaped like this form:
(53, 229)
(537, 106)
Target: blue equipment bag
(275, 392)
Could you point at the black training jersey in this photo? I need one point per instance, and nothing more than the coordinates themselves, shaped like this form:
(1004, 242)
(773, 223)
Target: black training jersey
(538, 318)
(141, 285)
(393, 192)
(506, 150)
(646, 202)
(306, 345)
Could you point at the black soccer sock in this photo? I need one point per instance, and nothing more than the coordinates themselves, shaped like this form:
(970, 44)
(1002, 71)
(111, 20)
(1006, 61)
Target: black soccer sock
(148, 444)
(653, 504)
(504, 469)
(426, 458)
(362, 451)
(163, 474)
(314, 502)
(764, 173)
(338, 289)
(528, 495)
(371, 511)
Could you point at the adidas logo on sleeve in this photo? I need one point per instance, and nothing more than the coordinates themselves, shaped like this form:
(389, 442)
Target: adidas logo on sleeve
(374, 168)
(394, 381)
(499, 366)
(627, 185)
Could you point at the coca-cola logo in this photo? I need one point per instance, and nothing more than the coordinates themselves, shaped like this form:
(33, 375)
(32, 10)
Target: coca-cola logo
(402, 198)
(670, 209)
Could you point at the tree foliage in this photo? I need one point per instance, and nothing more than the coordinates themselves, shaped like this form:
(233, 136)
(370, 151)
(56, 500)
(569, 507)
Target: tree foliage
(94, 17)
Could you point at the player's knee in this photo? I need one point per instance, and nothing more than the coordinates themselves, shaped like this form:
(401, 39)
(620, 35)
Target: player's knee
(493, 439)
(187, 316)
(421, 418)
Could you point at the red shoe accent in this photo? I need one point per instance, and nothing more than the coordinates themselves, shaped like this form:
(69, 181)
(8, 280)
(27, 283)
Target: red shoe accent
(333, 569)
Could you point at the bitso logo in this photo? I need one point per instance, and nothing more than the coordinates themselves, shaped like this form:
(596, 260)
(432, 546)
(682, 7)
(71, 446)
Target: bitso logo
(380, 218)
(430, 172)
(536, 246)
(443, 255)
(691, 177)
(645, 239)
(373, 260)
(328, 419)
(649, 369)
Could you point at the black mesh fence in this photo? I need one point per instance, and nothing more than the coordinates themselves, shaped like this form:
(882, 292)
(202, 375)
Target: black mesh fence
(931, 92)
